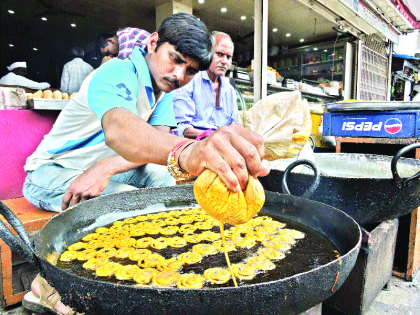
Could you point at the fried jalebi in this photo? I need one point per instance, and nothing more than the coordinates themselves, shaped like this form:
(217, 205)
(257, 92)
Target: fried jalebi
(192, 238)
(171, 221)
(138, 231)
(204, 225)
(144, 276)
(169, 264)
(265, 219)
(277, 244)
(262, 235)
(77, 246)
(205, 249)
(190, 258)
(217, 275)
(187, 229)
(108, 269)
(210, 236)
(130, 220)
(244, 271)
(158, 222)
(159, 243)
(151, 260)
(94, 244)
(152, 230)
(126, 272)
(69, 255)
(177, 242)
(190, 281)
(230, 246)
(106, 252)
(284, 239)
(86, 254)
(101, 230)
(292, 233)
(246, 242)
(108, 243)
(261, 262)
(141, 218)
(90, 237)
(165, 278)
(186, 219)
(169, 230)
(143, 242)
(138, 254)
(117, 224)
(124, 252)
(271, 253)
(126, 242)
(93, 263)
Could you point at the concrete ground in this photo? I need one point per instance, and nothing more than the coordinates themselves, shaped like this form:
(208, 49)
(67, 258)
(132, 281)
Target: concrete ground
(401, 298)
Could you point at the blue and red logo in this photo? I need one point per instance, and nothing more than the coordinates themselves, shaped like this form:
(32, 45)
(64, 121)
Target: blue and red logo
(393, 125)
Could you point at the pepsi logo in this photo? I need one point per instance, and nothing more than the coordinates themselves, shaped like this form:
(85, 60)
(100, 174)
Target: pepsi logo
(393, 125)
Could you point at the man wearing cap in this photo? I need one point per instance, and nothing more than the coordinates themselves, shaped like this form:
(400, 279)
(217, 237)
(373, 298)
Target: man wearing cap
(17, 76)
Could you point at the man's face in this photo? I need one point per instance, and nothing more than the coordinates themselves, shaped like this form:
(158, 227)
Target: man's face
(21, 71)
(169, 68)
(112, 48)
(222, 58)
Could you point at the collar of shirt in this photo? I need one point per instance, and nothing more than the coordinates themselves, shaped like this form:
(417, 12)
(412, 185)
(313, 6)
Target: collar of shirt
(205, 76)
(142, 70)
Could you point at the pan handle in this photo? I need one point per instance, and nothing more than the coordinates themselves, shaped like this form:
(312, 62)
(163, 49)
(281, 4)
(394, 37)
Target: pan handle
(312, 140)
(397, 179)
(23, 245)
(314, 185)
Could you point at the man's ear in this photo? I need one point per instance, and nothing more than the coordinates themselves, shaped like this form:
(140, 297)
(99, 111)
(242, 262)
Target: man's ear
(152, 43)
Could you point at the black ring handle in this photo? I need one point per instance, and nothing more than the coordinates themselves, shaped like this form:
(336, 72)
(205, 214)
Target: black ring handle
(397, 179)
(314, 185)
(313, 145)
(23, 245)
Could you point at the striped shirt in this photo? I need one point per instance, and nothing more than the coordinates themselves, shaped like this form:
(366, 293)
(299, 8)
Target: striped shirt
(128, 38)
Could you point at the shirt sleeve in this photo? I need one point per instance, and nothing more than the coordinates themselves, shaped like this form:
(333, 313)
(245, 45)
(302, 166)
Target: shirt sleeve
(22, 81)
(113, 85)
(184, 108)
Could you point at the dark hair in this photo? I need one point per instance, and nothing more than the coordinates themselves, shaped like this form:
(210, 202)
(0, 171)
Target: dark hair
(189, 36)
(77, 52)
(101, 40)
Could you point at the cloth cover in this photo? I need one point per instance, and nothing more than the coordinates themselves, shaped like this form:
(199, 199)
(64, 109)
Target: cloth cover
(284, 121)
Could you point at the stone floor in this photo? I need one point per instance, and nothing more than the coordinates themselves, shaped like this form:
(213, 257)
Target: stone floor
(401, 298)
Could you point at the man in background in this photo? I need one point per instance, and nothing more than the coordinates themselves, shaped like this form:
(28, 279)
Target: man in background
(208, 102)
(74, 72)
(17, 76)
(122, 43)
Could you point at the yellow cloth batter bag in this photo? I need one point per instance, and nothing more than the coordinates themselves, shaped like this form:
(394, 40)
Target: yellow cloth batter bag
(224, 205)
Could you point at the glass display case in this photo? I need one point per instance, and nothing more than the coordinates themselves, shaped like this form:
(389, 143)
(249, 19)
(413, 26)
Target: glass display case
(245, 92)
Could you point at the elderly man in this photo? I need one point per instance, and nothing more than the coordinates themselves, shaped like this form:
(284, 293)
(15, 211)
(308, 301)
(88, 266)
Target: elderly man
(208, 101)
(17, 76)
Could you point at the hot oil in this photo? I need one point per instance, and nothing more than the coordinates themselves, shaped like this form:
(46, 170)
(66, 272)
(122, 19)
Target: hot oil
(312, 251)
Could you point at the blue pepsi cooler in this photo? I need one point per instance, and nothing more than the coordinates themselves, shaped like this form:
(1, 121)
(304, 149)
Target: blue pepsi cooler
(372, 119)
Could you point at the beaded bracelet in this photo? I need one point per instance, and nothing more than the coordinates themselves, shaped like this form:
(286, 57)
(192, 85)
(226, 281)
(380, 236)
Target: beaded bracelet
(173, 167)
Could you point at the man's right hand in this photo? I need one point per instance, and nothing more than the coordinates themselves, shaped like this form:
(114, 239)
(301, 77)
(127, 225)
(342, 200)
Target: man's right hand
(230, 152)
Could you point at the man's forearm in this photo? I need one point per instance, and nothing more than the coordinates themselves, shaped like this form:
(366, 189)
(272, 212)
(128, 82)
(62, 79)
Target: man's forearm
(116, 165)
(135, 140)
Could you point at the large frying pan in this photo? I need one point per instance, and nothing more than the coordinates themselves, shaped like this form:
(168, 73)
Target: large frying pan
(291, 295)
(370, 188)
